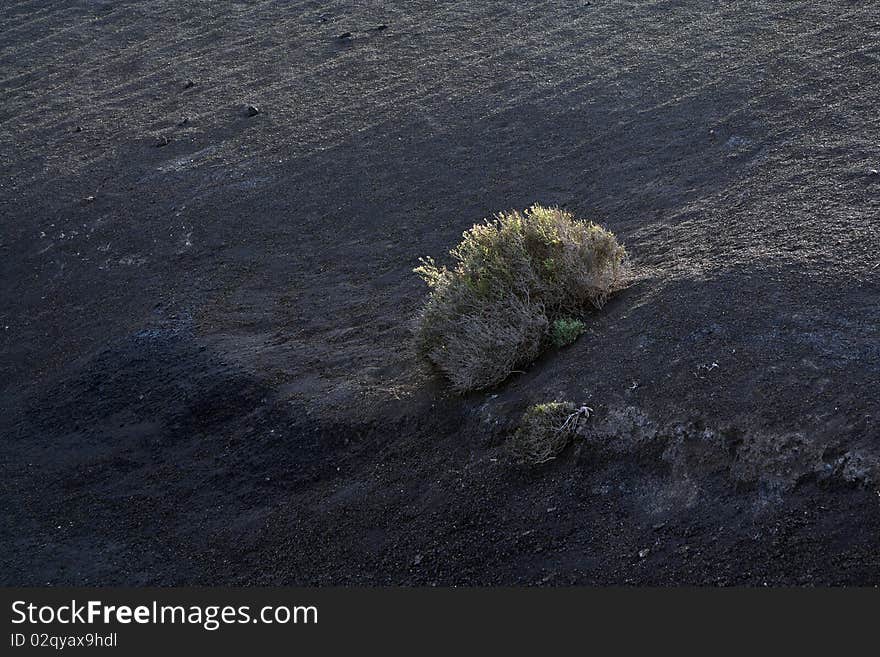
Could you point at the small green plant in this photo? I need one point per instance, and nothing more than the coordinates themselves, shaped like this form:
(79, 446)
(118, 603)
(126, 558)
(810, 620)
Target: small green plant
(512, 280)
(566, 330)
(546, 430)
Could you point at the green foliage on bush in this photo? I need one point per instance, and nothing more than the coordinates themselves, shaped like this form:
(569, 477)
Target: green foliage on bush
(566, 330)
(512, 277)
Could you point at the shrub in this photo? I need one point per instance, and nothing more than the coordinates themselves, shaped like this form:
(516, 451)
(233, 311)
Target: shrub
(566, 330)
(545, 430)
(512, 277)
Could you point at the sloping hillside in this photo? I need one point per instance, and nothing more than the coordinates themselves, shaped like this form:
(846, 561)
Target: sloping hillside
(209, 213)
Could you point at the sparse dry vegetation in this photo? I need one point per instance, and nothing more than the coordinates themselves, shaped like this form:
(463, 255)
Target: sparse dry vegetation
(545, 430)
(513, 277)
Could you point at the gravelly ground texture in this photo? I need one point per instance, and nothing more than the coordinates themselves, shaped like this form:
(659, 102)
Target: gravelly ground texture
(204, 310)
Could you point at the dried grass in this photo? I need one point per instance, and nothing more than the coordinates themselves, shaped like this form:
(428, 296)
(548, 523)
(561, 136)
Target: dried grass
(546, 430)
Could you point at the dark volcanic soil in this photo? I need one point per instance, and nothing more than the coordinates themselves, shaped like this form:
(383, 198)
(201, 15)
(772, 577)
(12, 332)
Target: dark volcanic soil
(203, 313)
